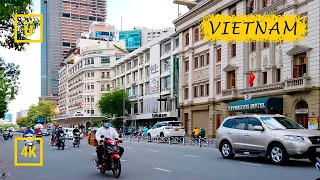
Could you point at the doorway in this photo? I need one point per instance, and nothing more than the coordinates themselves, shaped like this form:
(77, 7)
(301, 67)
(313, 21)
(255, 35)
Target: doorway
(302, 113)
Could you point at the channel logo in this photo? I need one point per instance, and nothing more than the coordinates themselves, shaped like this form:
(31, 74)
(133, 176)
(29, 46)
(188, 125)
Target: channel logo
(28, 28)
(28, 152)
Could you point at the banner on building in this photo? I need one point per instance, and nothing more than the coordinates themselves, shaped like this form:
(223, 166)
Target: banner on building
(154, 86)
(313, 122)
(175, 76)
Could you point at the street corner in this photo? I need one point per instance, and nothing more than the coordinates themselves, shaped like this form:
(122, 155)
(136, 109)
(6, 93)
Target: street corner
(28, 152)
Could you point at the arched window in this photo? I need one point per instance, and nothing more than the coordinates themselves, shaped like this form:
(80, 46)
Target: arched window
(301, 105)
(196, 34)
(187, 39)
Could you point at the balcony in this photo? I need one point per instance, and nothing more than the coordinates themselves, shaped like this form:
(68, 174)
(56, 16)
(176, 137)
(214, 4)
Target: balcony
(229, 94)
(297, 84)
(132, 97)
(262, 88)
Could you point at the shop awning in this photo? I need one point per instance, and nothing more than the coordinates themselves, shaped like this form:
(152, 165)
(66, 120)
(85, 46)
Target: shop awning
(270, 103)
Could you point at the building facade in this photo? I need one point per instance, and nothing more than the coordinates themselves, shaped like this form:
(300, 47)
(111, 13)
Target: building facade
(84, 79)
(7, 117)
(146, 74)
(22, 113)
(102, 30)
(64, 21)
(214, 76)
(54, 98)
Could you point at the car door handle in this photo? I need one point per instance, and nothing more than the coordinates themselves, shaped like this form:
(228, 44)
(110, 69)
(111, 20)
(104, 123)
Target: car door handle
(247, 134)
(229, 132)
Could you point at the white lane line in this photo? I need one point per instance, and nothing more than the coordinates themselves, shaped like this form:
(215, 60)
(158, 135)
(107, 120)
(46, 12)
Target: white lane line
(162, 169)
(79, 150)
(94, 154)
(152, 150)
(252, 164)
(191, 156)
(66, 147)
(127, 147)
(123, 160)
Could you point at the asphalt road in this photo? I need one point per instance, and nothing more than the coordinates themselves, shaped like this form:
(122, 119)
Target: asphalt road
(150, 162)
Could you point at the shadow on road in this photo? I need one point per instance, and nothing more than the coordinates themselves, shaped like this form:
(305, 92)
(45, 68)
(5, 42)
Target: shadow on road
(261, 160)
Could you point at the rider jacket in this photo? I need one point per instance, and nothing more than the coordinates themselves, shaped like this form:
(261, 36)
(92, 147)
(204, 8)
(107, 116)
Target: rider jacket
(107, 133)
(75, 131)
(59, 131)
(38, 131)
(28, 132)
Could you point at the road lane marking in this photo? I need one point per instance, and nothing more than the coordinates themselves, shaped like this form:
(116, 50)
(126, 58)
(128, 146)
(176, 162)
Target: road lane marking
(122, 160)
(153, 150)
(162, 169)
(191, 156)
(252, 164)
(127, 147)
(94, 154)
(79, 150)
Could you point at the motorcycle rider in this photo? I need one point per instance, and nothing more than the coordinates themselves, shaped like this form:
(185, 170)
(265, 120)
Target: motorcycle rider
(76, 130)
(59, 131)
(28, 131)
(107, 132)
(38, 131)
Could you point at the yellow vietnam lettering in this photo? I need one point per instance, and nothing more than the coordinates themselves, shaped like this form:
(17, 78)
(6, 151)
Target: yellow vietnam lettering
(29, 151)
(28, 26)
(246, 28)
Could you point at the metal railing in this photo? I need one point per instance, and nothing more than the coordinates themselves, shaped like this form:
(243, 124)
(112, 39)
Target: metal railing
(183, 141)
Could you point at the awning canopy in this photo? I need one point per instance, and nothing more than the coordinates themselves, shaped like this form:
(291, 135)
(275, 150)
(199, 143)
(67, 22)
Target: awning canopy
(270, 103)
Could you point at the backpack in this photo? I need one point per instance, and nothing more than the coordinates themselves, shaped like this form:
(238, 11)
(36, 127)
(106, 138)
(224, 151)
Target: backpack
(92, 139)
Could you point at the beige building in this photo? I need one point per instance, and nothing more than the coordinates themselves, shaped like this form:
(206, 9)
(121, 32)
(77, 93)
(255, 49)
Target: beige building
(214, 76)
(54, 98)
(84, 79)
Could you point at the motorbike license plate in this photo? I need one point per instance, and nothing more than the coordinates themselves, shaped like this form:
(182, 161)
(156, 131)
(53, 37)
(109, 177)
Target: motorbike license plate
(176, 129)
(318, 149)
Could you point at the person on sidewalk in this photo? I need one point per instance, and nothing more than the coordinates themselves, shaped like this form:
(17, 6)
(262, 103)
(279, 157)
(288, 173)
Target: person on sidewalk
(195, 133)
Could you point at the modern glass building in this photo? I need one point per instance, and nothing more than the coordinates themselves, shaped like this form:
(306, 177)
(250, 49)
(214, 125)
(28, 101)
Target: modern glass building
(44, 62)
(8, 117)
(132, 39)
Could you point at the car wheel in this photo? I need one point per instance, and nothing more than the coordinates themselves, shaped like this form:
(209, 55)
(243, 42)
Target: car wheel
(227, 150)
(149, 137)
(313, 159)
(278, 154)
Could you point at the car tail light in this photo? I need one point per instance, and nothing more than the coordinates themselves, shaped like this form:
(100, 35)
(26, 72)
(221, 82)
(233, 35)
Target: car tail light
(168, 127)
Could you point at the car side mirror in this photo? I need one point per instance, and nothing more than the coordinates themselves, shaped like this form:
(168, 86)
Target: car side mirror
(258, 128)
(102, 136)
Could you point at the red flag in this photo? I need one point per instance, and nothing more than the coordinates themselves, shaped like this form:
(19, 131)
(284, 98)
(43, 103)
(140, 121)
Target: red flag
(251, 79)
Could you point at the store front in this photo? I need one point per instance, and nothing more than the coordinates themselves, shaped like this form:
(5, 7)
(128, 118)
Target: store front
(270, 105)
(302, 111)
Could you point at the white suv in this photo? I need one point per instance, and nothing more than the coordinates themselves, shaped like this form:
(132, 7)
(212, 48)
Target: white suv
(167, 128)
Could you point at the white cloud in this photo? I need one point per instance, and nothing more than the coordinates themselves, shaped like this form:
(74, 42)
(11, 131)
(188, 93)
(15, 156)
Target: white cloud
(147, 13)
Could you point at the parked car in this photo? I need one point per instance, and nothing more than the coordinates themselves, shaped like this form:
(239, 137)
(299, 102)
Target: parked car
(274, 136)
(68, 132)
(167, 128)
(45, 132)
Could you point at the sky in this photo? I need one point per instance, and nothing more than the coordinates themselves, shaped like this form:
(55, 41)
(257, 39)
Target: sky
(146, 13)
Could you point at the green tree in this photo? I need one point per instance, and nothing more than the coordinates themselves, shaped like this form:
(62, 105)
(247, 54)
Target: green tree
(96, 123)
(111, 104)
(8, 8)
(9, 73)
(44, 109)
(23, 122)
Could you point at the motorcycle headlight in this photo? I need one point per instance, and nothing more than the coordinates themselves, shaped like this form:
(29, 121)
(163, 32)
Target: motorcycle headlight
(293, 138)
(113, 142)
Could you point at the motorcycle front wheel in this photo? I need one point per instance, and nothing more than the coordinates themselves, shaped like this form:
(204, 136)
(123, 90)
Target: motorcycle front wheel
(116, 168)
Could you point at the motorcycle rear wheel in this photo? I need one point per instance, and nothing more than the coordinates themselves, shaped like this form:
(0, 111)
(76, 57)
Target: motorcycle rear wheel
(116, 168)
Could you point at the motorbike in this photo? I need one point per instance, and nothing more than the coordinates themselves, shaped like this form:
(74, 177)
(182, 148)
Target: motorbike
(111, 158)
(318, 166)
(6, 135)
(61, 141)
(28, 143)
(76, 139)
(39, 135)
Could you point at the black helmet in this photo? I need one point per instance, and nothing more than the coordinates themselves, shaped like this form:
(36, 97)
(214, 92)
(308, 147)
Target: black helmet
(105, 120)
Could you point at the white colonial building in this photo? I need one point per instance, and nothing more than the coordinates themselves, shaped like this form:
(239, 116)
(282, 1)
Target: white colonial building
(148, 74)
(214, 76)
(84, 78)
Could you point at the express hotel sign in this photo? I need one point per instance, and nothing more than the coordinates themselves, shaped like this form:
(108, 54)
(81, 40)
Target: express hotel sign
(247, 107)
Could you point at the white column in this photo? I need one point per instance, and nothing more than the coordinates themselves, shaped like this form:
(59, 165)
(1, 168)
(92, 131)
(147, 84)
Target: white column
(272, 64)
(190, 75)
(246, 65)
(258, 64)
(212, 71)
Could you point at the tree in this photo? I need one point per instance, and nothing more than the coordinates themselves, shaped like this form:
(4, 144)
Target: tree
(8, 8)
(111, 104)
(9, 73)
(96, 123)
(44, 109)
(23, 122)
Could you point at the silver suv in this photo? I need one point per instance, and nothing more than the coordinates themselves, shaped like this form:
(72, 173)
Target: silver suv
(274, 136)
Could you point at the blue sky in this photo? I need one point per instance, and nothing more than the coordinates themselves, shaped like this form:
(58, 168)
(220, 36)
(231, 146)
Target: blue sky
(147, 13)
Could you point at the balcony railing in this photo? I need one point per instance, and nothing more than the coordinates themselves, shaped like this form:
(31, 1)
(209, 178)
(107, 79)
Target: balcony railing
(297, 84)
(266, 87)
(229, 94)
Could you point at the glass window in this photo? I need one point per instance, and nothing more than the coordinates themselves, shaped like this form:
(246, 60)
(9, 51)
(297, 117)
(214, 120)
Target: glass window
(66, 44)
(66, 15)
(105, 59)
(280, 123)
(227, 123)
(239, 124)
(253, 122)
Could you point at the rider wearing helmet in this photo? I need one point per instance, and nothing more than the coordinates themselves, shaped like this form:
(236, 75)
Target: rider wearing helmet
(75, 130)
(28, 131)
(108, 132)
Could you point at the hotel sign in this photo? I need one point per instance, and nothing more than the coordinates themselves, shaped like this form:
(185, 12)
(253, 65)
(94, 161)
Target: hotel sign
(90, 48)
(247, 107)
(159, 115)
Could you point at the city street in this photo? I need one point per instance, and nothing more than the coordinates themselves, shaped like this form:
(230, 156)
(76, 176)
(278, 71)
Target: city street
(151, 161)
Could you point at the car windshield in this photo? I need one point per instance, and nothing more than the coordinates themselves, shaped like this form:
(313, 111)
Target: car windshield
(43, 130)
(276, 123)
